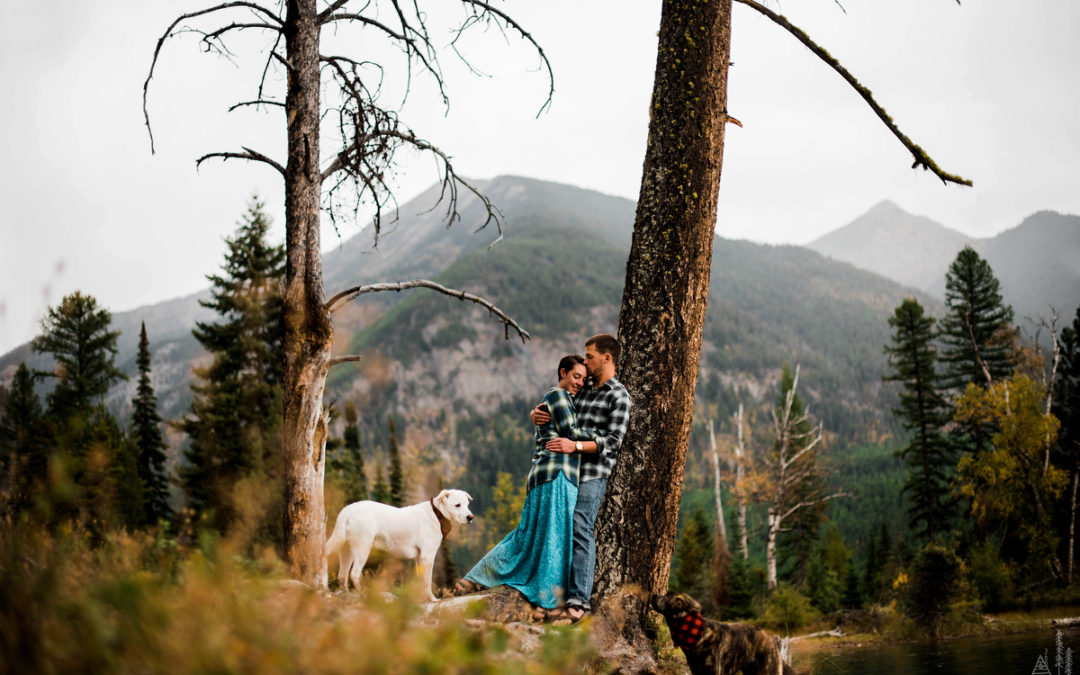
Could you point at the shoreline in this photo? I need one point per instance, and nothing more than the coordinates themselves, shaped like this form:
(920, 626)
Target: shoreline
(1004, 623)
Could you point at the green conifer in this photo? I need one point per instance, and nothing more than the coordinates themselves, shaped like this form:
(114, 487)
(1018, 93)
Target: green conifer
(234, 422)
(928, 453)
(23, 449)
(693, 555)
(977, 329)
(150, 446)
(397, 477)
(380, 492)
(76, 333)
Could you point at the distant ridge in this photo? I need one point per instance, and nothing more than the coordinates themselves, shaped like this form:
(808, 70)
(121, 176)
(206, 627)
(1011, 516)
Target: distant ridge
(1037, 262)
(911, 250)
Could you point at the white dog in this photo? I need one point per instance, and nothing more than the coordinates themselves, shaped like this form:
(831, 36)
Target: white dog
(411, 532)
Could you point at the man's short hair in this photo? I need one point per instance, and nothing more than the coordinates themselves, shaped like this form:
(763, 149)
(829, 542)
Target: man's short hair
(605, 344)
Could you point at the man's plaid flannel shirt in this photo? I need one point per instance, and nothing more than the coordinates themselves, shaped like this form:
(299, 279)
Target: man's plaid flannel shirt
(603, 413)
(563, 423)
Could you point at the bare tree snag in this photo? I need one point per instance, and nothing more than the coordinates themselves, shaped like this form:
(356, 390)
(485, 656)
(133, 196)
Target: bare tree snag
(357, 173)
(742, 459)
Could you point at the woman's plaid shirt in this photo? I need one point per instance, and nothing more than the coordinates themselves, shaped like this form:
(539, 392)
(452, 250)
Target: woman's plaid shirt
(564, 424)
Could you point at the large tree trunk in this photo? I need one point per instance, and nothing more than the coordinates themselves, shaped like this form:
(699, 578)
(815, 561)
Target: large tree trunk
(667, 284)
(309, 332)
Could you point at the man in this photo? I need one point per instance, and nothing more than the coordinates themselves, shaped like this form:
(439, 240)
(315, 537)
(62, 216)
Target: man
(603, 410)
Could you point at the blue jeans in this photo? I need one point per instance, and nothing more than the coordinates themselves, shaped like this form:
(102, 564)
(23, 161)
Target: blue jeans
(583, 562)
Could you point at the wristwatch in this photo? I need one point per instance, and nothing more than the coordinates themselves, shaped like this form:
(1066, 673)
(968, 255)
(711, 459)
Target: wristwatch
(578, 446)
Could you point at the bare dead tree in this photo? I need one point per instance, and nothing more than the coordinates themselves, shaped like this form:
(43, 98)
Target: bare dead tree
(791, 466)
(721, 554)
(742, 459)
(368, 136)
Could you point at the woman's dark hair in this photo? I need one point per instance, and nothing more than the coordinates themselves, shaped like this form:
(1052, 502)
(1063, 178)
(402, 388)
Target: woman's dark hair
(568, 362)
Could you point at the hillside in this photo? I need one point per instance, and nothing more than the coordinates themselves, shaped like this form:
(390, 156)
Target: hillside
(559, 271)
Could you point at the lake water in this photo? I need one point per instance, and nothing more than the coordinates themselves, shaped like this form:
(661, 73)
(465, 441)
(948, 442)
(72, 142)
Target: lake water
(1002, 655)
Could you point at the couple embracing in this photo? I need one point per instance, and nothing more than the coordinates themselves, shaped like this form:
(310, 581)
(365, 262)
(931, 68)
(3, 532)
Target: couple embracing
(551, 555)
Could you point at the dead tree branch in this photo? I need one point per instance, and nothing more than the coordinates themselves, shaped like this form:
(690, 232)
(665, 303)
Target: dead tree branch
(275, 24)
(248, 154)
(336, 302)
(921, 158)
(502, 18)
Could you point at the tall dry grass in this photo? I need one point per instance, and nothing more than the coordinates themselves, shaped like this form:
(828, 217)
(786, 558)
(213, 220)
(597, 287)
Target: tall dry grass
(144, 603)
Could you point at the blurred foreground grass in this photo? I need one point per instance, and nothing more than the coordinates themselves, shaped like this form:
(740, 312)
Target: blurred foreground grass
(141, 603)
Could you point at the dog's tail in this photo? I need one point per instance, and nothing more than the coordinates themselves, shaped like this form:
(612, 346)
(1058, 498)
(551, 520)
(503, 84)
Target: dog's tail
(337, 538)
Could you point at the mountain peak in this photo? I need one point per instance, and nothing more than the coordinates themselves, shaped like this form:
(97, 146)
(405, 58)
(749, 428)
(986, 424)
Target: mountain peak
(894, 243)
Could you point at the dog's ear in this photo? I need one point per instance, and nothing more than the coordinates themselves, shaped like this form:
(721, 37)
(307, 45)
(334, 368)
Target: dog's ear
(467, 495)
(442, 496)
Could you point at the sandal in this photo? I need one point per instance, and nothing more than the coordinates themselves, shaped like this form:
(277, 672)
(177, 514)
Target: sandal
(465, 587)
(565, 616)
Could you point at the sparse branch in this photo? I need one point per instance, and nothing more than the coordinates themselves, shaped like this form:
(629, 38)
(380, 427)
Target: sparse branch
(248, 154)
(811, 502)
(509, 21)
(343, 297)
(354, 161)
(415, 43)
(338, 360)
(256, 103)
(921, 158)
(276, 24)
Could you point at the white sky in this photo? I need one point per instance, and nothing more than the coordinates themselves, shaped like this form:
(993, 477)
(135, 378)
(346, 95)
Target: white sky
(989, 88)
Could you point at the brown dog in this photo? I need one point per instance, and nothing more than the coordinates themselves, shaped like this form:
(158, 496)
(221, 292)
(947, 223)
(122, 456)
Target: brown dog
(715, 648)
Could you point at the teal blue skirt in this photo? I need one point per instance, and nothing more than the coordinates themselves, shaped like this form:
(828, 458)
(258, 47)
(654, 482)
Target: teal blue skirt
(535, 557)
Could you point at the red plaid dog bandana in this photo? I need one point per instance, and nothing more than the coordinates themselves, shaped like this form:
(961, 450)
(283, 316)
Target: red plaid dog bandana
(689, 630)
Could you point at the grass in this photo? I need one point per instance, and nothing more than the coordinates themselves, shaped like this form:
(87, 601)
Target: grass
(141, 603)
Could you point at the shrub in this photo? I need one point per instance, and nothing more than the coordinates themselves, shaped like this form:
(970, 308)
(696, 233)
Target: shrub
(935, 583)
(788, 609)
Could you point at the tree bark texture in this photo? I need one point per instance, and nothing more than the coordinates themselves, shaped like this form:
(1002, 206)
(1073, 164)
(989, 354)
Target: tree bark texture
(664, 299)
(309, 332)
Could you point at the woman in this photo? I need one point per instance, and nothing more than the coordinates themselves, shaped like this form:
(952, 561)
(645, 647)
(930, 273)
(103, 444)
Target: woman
(535, 557)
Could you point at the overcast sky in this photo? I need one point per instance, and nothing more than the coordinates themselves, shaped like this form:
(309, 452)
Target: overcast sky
(989, 88)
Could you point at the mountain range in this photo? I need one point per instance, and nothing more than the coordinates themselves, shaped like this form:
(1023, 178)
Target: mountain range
(559, 270)
(1037, 262)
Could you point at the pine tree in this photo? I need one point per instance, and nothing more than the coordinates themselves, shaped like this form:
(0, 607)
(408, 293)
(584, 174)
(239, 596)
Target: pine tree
(23, 449)
(88, 440)
(397, 478)
(922, 411)
(741, 587)
(76, 333)
(872, 571)
(976, 332)
(380, 492)
(693, 555)
(853, 597)
(150, 447)
(234, 422)
(358, 477)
